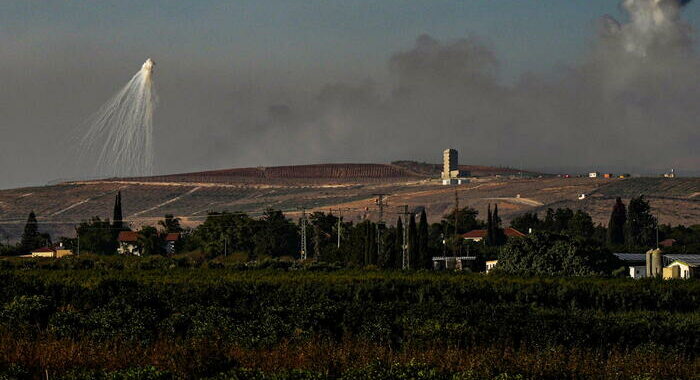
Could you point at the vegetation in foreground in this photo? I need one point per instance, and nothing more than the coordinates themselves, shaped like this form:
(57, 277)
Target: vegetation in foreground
(186, 317)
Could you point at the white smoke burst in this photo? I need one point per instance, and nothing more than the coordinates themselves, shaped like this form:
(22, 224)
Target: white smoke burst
(654, 24)
(120, 134)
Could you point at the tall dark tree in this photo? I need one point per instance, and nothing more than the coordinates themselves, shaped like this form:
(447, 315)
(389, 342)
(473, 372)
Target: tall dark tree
(489, 227)
(370, 246)
(548, 222)
(356, 246)
(150, 240)
(117, 218)
(275, 235)
(96, 236)
(466, 220)
(616, 225)
(324, 236)
(387, 255)
(499, 237)
(399, 244)
(170, 224)
(423, 237)
(640, 227)
(527, 221)
(581, 225)
(31, 238)
(562, 218)
(414, 260)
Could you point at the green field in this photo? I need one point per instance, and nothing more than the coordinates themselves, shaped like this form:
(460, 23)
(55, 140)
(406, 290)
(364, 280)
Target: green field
(109, 317)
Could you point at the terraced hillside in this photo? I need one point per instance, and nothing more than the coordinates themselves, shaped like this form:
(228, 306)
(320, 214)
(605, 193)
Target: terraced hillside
(351, 188)
(292, 175)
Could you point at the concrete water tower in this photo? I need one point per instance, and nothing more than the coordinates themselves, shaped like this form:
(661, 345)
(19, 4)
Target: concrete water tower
(451, 175)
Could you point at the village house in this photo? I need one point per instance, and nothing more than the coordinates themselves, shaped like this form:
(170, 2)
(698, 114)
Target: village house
(635, 263)
(480, 235)
(684, 268)
(656, 264)
(169, 242)
(128, 243)
(56, 253)
(667, 243)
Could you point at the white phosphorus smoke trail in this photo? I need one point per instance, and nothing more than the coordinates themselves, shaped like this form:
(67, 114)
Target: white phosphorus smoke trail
(120, 134)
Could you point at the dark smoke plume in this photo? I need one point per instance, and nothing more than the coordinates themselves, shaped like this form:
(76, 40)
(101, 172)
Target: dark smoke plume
(628, 105)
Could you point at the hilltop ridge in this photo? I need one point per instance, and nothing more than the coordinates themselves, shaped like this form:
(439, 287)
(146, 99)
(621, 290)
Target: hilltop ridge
(323, 187)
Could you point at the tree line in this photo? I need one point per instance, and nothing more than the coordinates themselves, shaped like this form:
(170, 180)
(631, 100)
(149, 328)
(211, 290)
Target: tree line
(562, 233)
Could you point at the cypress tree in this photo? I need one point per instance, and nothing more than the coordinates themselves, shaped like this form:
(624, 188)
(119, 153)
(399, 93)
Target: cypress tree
(498, 235)
(31, 238)
(369, 243)
(640, 226)
(414, 261)
(489, 227)
(616, 225)
(423, 250)
(117, 218)
(399, 244)
(386, 258)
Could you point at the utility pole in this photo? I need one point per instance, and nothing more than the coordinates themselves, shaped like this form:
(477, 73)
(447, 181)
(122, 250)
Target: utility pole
(405, 262)
(381, 204)
(340, 221)
(303, 233)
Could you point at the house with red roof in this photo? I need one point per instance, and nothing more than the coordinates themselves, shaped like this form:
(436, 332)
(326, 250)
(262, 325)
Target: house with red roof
(169, 241)
(480, 235)
(129, 243)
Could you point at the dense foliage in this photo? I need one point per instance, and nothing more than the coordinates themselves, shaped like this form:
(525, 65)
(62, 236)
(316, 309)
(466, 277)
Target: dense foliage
(216, 315)
(547, 254)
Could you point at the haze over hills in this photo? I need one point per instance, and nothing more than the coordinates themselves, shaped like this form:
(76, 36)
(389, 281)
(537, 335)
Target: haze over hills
(350, 187)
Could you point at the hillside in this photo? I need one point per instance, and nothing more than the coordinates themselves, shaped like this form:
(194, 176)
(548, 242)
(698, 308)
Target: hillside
(351, 187)
(291, 175)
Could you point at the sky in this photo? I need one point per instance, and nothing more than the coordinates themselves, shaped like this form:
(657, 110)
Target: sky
(268, 82)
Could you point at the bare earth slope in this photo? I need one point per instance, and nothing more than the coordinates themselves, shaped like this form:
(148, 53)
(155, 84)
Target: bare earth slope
(350, 187)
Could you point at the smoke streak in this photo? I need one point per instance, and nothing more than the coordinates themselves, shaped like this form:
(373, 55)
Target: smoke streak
(121, 132)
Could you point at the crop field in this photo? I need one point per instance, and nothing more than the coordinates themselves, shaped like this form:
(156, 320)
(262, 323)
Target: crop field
(184, 317)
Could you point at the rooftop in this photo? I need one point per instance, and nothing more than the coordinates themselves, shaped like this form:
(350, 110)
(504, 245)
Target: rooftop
(128, 236)
(43, 249)
(475, 234)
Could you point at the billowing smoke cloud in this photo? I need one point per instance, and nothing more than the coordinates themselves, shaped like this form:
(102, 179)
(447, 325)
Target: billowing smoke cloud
(630, 105)
(654, 26)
